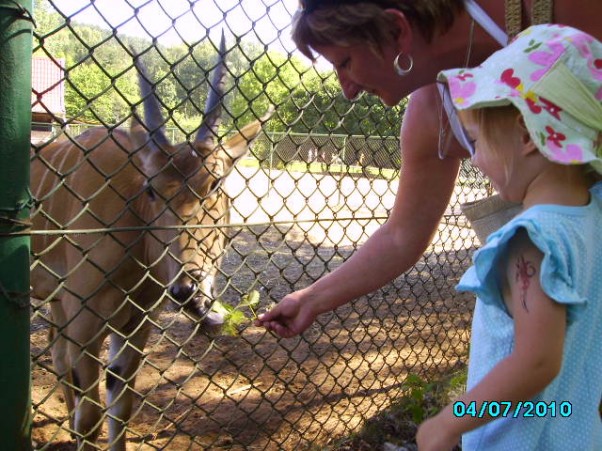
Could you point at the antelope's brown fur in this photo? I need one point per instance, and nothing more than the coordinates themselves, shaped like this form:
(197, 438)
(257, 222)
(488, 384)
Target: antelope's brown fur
(131, 199)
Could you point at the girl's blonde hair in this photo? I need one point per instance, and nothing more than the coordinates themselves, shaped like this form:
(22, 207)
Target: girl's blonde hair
(345, 24)
(501, 127)
(496, 124)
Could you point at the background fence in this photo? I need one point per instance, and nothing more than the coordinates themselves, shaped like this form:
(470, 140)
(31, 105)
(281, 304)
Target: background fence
(316, 184)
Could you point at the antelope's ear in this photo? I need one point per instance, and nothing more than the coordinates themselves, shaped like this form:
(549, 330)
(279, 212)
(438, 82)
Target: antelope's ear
(238, 145)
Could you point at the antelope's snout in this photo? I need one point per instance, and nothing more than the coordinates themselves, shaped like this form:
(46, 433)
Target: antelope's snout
(193, 291)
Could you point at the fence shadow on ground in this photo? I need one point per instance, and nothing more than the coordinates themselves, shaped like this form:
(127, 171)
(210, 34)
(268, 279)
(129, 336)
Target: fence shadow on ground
(254, 391)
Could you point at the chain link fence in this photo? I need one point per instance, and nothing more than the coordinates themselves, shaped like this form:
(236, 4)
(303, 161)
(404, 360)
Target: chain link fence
(317, 182)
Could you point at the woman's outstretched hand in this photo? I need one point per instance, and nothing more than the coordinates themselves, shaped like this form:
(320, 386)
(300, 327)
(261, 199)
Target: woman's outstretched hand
(290, 317)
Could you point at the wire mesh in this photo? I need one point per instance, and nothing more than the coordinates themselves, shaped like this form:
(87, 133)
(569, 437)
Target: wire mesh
(318, 180)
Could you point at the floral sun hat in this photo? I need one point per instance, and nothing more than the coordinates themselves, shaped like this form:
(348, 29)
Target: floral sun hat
(553, 75)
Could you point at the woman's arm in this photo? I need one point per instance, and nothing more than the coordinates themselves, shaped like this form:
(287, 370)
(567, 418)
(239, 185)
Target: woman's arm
(425, 186)
(540, 325)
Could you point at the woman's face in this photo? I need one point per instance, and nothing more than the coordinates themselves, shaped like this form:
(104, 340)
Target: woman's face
(360, 69)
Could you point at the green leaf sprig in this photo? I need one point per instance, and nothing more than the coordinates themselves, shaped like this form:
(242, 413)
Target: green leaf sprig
(234, 317)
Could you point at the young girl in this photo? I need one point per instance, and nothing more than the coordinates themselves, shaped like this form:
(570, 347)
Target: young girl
(534, 112)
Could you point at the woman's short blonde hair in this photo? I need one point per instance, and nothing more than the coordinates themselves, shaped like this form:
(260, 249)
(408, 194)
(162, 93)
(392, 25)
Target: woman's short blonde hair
(345, 24)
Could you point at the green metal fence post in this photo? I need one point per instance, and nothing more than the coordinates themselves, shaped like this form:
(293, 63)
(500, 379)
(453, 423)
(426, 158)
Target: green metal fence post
(15, 200)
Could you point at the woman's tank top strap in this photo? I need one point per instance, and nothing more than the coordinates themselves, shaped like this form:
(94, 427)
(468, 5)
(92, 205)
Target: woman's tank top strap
(542, 11)
(486, 22)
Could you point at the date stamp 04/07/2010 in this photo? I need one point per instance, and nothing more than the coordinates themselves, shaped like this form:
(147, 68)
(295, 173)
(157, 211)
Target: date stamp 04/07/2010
(504, 409)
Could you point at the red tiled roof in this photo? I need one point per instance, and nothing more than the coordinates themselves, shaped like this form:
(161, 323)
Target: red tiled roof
(48, 86)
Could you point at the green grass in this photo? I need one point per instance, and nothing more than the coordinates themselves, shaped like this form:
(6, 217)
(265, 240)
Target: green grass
(398, 424)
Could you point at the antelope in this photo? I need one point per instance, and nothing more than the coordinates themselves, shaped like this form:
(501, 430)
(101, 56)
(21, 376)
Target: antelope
(145, 213)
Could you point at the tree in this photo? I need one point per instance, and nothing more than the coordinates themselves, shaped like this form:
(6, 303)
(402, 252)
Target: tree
(101, 83)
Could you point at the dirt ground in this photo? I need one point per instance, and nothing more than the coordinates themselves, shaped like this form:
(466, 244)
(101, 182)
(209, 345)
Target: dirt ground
(253, 391)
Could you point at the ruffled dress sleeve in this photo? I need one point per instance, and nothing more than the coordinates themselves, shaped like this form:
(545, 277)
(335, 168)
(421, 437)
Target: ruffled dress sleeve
(557, 236)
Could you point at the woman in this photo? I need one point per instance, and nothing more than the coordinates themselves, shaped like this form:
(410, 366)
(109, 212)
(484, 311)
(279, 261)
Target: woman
(391, 48)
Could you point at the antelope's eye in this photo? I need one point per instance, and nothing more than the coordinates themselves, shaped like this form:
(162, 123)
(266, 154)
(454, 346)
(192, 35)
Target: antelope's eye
(150, 192)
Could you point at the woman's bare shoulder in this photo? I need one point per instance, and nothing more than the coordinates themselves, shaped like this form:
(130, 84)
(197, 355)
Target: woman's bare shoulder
(420, 123)
(424, 122)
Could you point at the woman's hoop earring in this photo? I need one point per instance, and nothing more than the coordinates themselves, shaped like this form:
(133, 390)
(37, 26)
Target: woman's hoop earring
(402, 72)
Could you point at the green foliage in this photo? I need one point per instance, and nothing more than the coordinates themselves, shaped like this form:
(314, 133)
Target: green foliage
(101, 84)
(93, 95)
(234, 317)
(398, 424)
(457, 384)
(414, 401)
